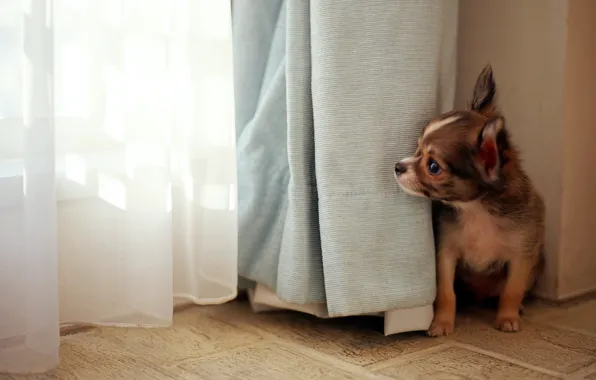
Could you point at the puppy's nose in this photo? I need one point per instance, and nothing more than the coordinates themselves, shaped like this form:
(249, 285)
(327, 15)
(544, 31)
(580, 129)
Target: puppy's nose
(400, 168)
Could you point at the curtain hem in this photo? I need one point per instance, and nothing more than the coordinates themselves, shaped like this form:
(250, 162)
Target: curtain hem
(262, 299)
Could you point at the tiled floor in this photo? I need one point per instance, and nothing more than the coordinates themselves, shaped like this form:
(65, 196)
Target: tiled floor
(230, 342)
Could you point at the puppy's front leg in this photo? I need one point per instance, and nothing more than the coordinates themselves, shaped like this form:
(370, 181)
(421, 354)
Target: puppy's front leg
(444, 319)
(510, 301)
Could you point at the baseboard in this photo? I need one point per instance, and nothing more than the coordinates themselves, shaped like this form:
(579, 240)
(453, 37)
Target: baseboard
(569, 297)
(580, 294)
(70, 329)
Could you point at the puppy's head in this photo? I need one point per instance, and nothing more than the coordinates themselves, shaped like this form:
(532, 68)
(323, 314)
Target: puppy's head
(461, 154)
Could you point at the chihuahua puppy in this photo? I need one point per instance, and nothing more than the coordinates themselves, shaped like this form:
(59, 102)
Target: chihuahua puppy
(490, 223)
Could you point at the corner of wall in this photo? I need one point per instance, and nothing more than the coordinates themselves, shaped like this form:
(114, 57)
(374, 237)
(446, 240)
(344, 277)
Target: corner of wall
(577, 258)
(525, 41)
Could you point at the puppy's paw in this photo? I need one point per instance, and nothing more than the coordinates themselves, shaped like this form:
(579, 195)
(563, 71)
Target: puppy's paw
(509, 323)
(441, 327)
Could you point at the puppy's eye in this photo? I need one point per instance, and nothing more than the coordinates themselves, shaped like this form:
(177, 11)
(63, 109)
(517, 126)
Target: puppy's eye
(433, 167)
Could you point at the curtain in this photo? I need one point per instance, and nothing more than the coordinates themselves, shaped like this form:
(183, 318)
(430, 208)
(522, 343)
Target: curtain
(117, 166)
(330, 94)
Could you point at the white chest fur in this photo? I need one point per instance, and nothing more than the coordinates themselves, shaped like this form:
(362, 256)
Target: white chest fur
(481, 237)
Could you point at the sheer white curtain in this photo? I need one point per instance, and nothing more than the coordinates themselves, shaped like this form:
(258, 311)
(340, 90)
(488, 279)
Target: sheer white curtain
(117, 166)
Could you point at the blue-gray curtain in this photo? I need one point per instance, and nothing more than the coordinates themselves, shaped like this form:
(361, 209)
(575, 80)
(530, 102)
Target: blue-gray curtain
(329, 95)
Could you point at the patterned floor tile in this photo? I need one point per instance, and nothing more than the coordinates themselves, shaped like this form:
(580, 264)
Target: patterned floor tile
(354, 340)
(231, 342)
(453, 362)
(581, 318)
(266, 362)
(192, 335)
(90, 355)
(537, 344)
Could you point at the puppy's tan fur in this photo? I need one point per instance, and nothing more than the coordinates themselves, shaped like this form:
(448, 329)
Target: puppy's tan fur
(490, 231)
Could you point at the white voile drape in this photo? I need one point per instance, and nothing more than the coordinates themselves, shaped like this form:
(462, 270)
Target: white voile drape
(117, 166)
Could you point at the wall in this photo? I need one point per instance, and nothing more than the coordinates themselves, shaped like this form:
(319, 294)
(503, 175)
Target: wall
(541, 53)
(577, 257)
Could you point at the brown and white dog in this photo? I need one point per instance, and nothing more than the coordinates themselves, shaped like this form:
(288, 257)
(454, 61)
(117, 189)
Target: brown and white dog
(490, 232)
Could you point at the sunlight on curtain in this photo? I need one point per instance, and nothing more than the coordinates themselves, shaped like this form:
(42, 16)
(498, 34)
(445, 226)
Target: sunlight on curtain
(117, 166)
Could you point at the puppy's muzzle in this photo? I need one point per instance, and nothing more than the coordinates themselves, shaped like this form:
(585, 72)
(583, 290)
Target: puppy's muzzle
(400, 168)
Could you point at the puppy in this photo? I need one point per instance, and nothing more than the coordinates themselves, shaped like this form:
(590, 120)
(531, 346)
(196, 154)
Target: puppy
(490, 226)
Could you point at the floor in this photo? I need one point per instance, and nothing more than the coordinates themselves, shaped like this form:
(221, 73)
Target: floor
(230, 342)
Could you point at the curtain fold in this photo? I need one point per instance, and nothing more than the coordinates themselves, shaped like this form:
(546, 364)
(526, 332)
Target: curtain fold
(321, 220)
(29, 335)
(117, 167)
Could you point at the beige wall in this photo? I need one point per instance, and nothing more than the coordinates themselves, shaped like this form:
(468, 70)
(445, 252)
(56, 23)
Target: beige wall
(547, 92)
(577, 257)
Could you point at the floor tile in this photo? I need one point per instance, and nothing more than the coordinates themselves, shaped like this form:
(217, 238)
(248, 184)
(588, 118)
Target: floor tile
(192, 335)
(539, 345)
(354, 340)
(458, 363)
(265, 362)
(580, 318)
(91, 356)
(539, 308)
(587, 373)
(231, 342)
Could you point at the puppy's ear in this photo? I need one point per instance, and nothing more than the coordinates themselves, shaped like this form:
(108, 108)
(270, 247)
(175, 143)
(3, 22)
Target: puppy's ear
(483, 99)
(488, 153)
